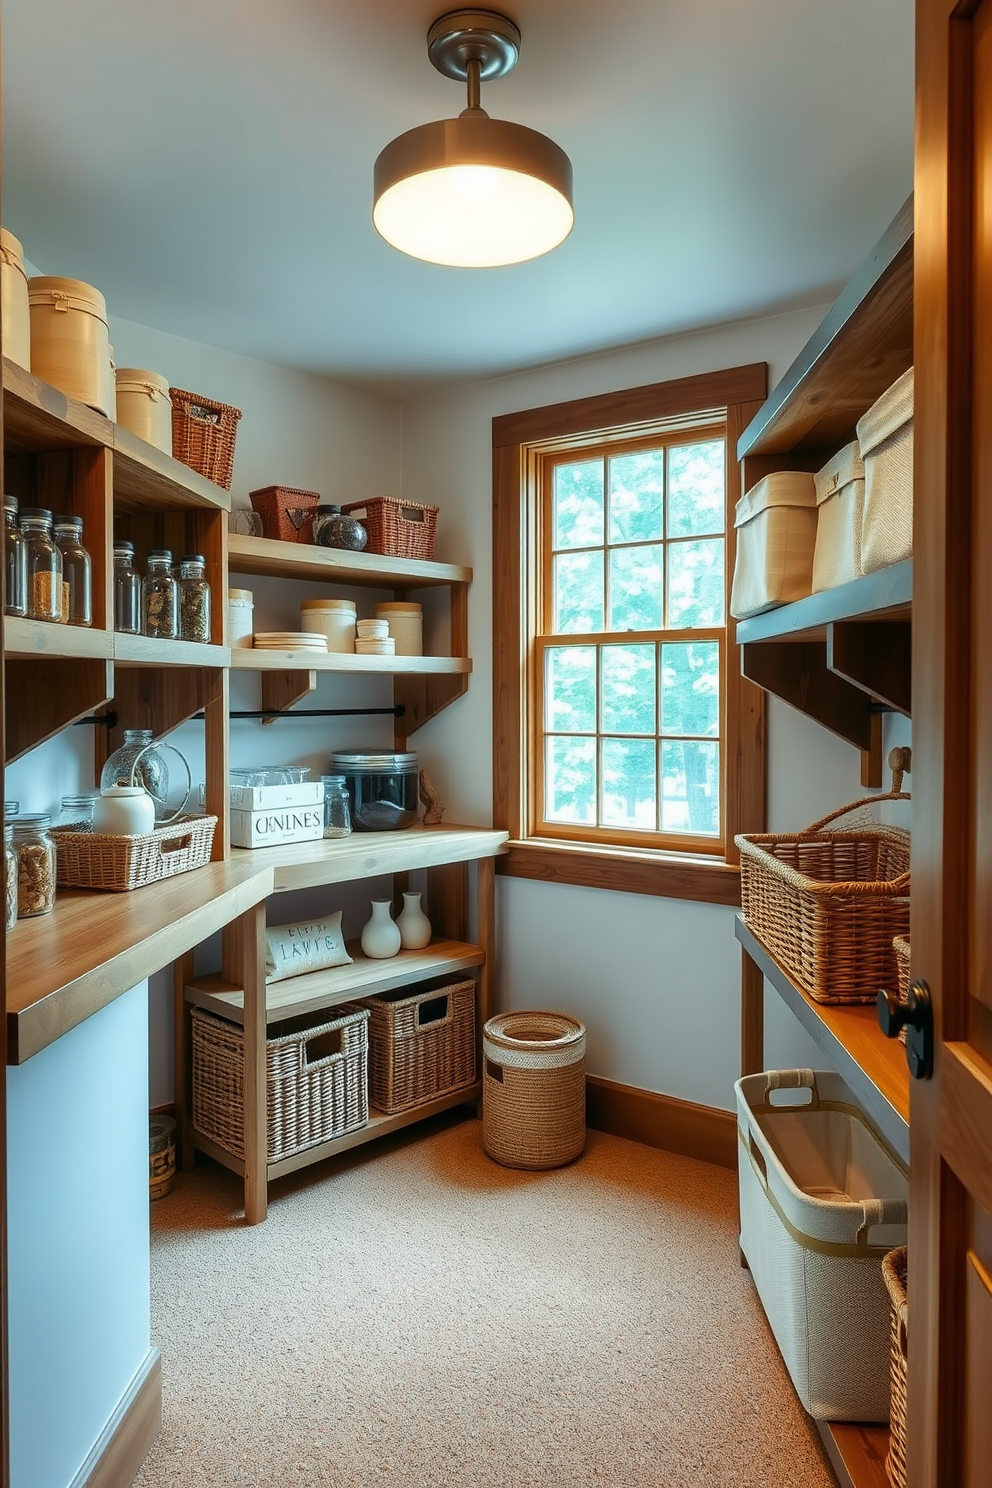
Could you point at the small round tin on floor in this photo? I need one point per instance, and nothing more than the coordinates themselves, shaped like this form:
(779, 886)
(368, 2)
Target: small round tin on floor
(533, 1089)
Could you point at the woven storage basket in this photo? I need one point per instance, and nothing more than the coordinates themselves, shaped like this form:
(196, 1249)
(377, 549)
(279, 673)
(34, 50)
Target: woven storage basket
(421, 1045)
(534, 1089)
(900, 944)
(827, 903)
(85, 859)
(894, 1273)
(316, 1080)
(286, 513)
(203, 435)
(396, 529)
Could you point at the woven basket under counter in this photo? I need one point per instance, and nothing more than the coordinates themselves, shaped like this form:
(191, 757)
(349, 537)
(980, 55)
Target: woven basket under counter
(894, 1275)
(396, 529)
(85, 859)
(533, 1089)
(316, 1080)
(826, 904)
(421, 1045)
(203, 435)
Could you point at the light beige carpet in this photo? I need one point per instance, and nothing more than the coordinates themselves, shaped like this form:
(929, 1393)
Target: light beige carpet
(416, 1316)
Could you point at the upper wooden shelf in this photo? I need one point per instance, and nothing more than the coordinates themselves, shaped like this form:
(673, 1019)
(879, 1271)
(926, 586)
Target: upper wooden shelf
(38, 418)
(884, 595)
(34, 639)
(302, 865)
(246, 659)
(282, 560)
(324, 989)
(862, 346)
(65, 966)
(874, 1067)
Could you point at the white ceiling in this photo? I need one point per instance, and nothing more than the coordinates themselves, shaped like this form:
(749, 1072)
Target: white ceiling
(208, 164)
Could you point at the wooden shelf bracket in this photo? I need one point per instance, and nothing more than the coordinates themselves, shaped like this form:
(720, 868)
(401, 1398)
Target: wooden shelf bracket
(47, 694)
(797, 672)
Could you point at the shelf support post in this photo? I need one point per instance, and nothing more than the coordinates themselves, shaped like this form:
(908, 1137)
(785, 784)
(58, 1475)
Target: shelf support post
(243, 964)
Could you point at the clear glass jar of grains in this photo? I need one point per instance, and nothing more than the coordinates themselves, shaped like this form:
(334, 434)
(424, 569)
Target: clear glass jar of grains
(35, 866)
(158, 597)
(43, 565)
(194, 599)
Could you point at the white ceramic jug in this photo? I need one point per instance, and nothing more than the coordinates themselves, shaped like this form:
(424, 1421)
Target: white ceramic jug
(124, 811)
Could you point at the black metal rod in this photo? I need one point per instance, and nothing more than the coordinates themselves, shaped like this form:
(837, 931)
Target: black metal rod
(109, 720)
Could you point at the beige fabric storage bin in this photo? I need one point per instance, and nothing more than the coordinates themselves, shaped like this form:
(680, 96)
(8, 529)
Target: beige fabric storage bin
(885, 435)
(822, 1202)
(144, 406)
(840, 500)
(776, 534)
(16, 311)
(70, 341)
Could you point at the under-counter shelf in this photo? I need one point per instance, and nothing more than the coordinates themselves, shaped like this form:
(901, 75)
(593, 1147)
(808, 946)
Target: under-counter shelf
(93, 947)
(874, 1067)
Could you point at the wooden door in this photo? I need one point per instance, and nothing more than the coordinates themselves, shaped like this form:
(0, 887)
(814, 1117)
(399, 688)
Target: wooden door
(950, 1234)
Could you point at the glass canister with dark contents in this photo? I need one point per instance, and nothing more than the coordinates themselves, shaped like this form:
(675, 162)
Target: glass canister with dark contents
(382, 788)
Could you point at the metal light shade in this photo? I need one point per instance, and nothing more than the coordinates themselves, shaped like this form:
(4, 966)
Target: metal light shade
(473, 192)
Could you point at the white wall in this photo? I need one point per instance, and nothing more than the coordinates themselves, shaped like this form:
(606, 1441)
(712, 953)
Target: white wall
(655, 980)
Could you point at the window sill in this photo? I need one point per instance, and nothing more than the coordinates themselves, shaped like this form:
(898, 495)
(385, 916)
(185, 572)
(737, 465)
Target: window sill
(663, 874)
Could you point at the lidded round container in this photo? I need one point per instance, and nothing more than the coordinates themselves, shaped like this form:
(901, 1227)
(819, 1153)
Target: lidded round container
(382, 788)
(35, 865)
(43, 565)
(77, 809)
(15, 311)
(373, 630)
(77, 572)
(194, 598)
(240, 617)
(160, 597)
(70, 341)
(406, 625)
(333, 618)
(127, 590)
(144, 406)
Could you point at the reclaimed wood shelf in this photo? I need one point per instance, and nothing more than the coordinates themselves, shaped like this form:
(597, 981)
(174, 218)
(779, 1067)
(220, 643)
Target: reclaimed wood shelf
(304, 865)
(137, 650)
(857, 1453)
(286, 560)
(325, 989)
(885, 595)
(29, 639)
(65, 966)
(244, 659)
(379, 1125)
(873, 1066)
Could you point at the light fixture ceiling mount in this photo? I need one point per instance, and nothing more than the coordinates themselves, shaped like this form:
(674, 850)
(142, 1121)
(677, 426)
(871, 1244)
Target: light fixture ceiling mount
(473, 192)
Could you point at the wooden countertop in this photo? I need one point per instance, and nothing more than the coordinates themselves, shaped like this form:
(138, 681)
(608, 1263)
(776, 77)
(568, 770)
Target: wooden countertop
(64, 967)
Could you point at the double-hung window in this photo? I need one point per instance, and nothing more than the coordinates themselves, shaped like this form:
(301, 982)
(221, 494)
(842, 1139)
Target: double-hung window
(628, 747)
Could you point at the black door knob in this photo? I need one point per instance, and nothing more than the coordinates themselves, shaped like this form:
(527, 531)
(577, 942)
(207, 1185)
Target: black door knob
(916, 1016)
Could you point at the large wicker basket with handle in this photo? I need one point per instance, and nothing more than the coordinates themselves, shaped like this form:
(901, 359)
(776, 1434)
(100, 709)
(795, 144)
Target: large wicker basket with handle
(894, 1274)
(827, 902)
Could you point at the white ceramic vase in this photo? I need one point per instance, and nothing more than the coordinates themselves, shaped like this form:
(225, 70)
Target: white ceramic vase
(381, 936)
(124, 811)
(414, 926)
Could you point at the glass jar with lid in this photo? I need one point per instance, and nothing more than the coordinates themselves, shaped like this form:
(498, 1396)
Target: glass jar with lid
(35, 865)
(382, 788)
(333, 528)
(77, 810)
(15, 599)
(43, 565)
(77, 572)
(194, 598)
(127, 590)
(10, 875)
(158, 597)
(337, 806)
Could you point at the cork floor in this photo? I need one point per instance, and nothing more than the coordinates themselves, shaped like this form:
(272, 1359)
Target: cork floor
(414, 1315)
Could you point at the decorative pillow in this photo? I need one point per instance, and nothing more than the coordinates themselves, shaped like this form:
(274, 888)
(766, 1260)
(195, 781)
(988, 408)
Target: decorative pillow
(290, 950)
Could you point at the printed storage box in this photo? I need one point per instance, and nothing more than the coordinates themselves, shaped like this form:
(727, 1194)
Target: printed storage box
(840, 500)
(885, 436)
(776, 534)
(822, 1202)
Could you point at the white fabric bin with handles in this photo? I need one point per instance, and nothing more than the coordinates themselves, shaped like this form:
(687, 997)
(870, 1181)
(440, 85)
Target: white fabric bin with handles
(776, 533)
(840, 500)
(885, 435)
(822, 1202)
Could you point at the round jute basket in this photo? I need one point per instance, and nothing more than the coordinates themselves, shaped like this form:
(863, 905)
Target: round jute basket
(533, 1089)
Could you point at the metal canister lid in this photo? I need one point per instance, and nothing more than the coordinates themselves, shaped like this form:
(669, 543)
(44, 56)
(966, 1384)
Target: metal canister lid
(378, 761)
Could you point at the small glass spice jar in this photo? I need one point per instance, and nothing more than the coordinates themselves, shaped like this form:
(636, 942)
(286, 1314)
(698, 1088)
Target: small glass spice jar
(10, 875)
(159, 598)
(194, 598)
(43, 565)
(77, 811)
(15, 597)
(337, 807)
(35, 866)
(127, 590)
(77, 572)
(333, 528)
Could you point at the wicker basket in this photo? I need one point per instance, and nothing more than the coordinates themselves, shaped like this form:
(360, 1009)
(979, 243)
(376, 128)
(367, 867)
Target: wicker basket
(900, 944)
(827, 904)
(396, 529)
(316, 1080)
(534, 1089)
(421, 1045)
(894, 1272)
(286, 513)
(85, 859)
(203, 435)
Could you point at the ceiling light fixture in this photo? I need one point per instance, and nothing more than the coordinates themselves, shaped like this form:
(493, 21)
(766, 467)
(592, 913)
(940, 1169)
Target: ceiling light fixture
(473, 192)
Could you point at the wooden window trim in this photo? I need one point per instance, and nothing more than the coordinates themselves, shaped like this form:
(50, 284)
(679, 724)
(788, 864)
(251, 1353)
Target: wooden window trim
(738, 392)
